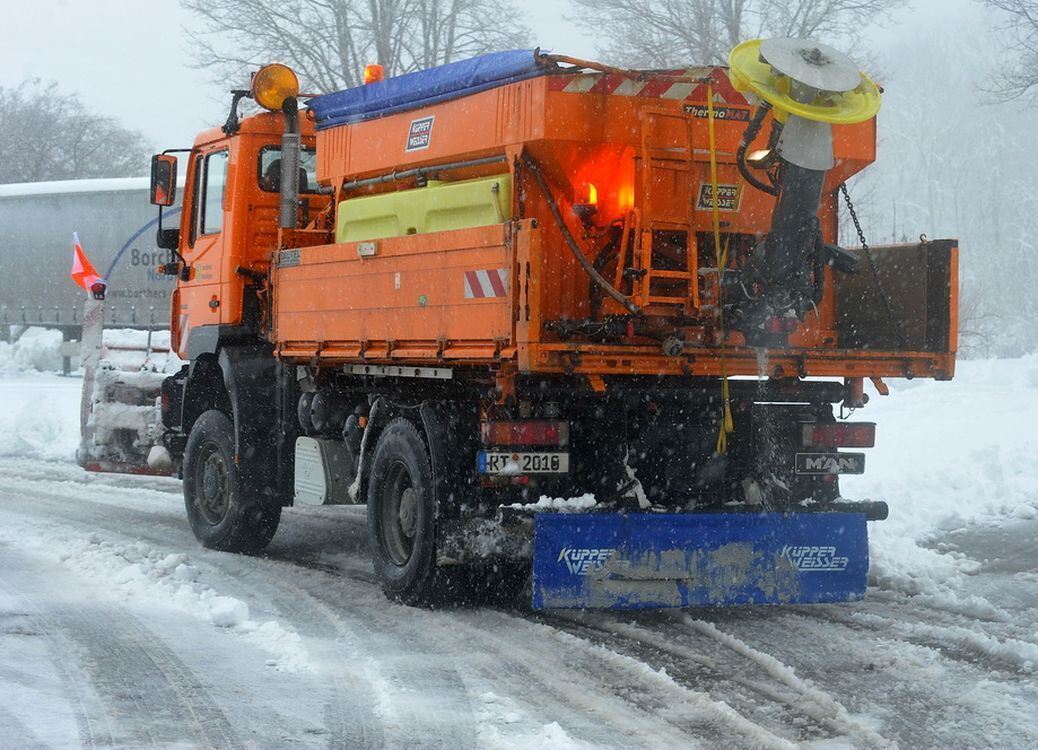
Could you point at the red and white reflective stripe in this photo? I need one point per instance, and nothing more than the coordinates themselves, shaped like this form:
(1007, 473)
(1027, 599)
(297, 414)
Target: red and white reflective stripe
(490, 283)
(661, 86)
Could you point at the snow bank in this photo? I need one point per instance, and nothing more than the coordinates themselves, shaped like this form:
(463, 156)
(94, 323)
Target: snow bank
(38, 349)
(948, 455)
(503, 725)
(139, 574)
(39, 417)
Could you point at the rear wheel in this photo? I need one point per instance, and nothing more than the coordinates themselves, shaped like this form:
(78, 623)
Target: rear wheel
(225, 512)
(402, 515)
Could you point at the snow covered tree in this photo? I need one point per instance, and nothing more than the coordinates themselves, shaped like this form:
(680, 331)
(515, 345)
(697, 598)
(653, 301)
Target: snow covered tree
(48, 135)
(662, 33)
(328, 42)
(1020, 76)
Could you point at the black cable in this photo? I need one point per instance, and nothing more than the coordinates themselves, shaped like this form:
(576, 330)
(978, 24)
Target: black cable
(752, 130)
(572, 243)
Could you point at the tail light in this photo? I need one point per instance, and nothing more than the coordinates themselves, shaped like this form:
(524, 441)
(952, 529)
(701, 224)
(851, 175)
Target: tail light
(840, 435)
(526, 432)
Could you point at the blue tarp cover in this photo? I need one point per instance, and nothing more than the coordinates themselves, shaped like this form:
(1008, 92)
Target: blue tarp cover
(413, 90)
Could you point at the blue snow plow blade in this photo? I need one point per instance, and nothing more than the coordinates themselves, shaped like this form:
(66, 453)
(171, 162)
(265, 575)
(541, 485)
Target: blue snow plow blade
(644, 561)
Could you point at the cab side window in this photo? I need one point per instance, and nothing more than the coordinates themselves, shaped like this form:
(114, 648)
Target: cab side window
(270, 169)
(210, 200)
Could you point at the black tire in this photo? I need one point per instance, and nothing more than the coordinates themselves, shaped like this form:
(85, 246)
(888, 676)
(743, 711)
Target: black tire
(224, 511)
(402, 516)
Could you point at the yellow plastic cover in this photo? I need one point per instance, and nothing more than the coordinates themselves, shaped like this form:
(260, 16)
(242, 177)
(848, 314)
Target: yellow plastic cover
(437, 207)
(749, 74)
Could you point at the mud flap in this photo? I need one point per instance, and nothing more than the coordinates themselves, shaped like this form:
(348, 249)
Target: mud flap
(643, 561)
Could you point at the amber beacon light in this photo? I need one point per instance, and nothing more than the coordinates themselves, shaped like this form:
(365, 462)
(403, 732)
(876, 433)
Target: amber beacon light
(373, 73)
(273, 84)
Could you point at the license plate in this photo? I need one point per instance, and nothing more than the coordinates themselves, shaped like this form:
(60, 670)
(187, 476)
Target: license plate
(830, 463)
(499, 462)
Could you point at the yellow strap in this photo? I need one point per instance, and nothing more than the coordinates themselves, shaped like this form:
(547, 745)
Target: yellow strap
(721, 257)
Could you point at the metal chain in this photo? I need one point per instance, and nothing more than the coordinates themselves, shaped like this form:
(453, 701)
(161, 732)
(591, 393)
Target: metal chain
(867, 252)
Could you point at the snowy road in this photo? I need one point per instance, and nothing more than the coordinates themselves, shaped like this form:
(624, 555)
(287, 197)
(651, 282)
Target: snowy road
(118, 630)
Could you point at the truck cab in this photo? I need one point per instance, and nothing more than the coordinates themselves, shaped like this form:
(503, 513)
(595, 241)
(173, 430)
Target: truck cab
(228, 230)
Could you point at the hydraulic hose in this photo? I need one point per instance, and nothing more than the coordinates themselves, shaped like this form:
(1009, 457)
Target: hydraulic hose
(572, 243)
(752, 130)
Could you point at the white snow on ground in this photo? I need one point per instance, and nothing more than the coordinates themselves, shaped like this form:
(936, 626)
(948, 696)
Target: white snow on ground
(40, 419)
(135, 572)
(39, 415)
(506, 727)
(560, 504)
(37, 349)
(928, 648)
(948, 455)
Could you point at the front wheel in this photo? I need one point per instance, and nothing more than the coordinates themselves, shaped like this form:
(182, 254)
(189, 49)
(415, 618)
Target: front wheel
(225, 512)
(402, 515)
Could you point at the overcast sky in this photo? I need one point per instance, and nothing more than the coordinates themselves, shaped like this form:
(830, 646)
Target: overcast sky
(130, 58)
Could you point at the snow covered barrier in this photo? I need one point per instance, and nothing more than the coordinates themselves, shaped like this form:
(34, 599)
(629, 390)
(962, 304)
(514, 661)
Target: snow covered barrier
(121, 417)
(36, 350)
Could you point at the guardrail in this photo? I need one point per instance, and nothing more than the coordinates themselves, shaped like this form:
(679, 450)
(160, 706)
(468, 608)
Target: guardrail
(57, 316)
(70, 321)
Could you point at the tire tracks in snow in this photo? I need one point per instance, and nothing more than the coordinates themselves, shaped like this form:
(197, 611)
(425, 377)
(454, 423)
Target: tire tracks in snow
(610, 688)
(958, 636)
(353, 718)
(689, 711)
(337, 588)
(922, 696)
(131, 673)
(781, 698)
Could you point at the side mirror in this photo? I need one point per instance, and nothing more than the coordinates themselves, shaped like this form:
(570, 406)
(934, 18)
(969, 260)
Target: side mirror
(167, 239)
(163, 179)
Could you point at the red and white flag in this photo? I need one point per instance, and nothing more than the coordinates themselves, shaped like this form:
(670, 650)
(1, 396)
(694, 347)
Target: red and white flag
(83, 271)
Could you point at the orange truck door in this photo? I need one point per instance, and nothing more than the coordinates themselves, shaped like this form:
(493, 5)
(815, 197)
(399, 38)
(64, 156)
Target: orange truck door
(201, 243)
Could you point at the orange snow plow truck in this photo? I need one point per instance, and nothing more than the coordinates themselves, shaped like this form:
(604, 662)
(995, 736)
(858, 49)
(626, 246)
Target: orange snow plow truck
(546, 315)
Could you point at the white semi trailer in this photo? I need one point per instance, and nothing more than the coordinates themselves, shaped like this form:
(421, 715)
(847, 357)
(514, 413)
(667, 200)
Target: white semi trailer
(116, 224)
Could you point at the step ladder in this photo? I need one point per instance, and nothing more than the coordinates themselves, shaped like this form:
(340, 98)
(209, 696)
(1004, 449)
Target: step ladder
(665, 250)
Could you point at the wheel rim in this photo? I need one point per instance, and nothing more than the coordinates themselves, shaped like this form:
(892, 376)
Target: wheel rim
(398, 514)
(212, 490)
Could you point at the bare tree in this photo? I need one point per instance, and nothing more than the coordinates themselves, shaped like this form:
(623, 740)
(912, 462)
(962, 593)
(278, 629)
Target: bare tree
(47, 135)
(663, 33)
(1020, 76)
(329, 42)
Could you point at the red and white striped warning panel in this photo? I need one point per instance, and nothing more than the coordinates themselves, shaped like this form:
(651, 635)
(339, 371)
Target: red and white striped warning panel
(492, 282)
(660, 85)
